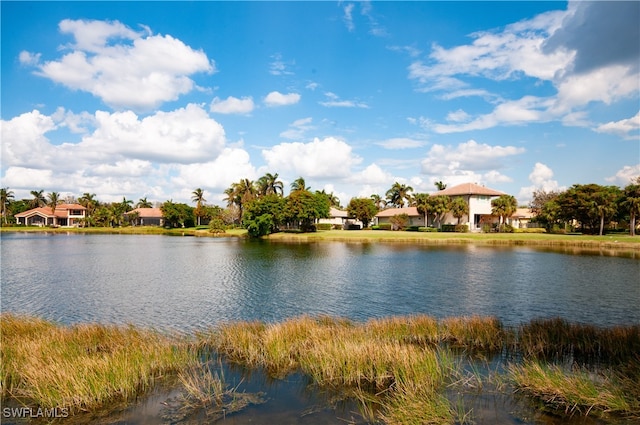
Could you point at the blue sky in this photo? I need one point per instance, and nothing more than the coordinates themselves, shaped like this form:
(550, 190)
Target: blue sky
(155, 99)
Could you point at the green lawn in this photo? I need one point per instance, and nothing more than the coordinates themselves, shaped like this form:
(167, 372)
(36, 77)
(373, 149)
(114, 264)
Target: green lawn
(615, 241)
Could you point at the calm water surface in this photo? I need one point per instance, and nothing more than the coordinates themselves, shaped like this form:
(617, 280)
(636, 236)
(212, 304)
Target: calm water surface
(187, 283)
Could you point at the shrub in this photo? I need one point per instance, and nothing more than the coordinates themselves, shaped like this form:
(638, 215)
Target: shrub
(382, 226)
(412, 228)
(448, 228)
(462, 228)
(352, 227)
(324, 226)
(427, 229)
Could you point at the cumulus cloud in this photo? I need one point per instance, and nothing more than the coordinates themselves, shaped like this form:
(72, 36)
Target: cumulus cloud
(625, 175)
(279, 67)
(124, 68)
(585, 57)
(276, 98)
(623, 128)
(24, 135)
(469, 156)
(541, 178)
(326, 158)
(232, 105)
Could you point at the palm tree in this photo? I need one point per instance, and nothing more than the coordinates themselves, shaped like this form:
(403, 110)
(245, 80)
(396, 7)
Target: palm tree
(198, 198)
(334, 201)
(144, 203)
(398, 194)
(269, 184)
(632, 203)
(126, 205)
(421, 202)
(6, 196)
(54, 200)
(504, 207)
(38, 200)
(88, 201)
(377, 199)
(239, 194)
(299, 184)
(440, 185)
(439, 205)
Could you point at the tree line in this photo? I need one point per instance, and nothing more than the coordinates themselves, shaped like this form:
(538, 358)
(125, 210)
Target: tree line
(261, 207)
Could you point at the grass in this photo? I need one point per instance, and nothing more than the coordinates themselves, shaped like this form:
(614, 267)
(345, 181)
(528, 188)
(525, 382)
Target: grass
(129, 230)
(401, 369)
(83, 367)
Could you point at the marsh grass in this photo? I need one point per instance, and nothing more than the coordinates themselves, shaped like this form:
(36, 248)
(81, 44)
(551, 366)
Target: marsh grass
(575, 391)
(83, 367)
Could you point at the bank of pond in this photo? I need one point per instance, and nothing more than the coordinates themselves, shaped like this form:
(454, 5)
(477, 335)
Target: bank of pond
(395, 370)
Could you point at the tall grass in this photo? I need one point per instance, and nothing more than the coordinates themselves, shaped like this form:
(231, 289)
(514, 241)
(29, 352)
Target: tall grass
(83, 367)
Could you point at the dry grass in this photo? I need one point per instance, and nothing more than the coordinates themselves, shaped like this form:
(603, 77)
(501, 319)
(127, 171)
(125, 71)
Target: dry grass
(83, 367)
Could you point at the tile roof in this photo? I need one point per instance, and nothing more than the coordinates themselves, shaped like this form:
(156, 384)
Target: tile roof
(61, 210)
(468, 189)
(390, 212)
(147, 212)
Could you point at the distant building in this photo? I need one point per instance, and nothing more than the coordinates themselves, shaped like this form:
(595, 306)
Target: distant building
(415, 218)
(65, 215)
(146, 217)
(479, 200)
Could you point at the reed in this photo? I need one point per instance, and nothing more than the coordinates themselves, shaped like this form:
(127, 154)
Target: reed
(83, 367)
(575, 390)
(557, 338)
(473, 333)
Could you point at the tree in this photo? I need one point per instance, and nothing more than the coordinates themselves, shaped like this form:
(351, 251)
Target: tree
(264, 215)
(239, 194)
(38, 200)
(459, 208)
(334, 201)
(605, 204)
(591, 205)
(270, 185)
(399, 221)
(504, 207)
(362, 209)
(54, 200)
(378, 201)
(439, 206)
(422, 204)
(144, 203)
(6, 196)
(440, 185)
(88, 200)
(545, 208)
(198, 198)
(631, 203)
(177, 215)
(303, 208)
(398, 194)
(299, 184)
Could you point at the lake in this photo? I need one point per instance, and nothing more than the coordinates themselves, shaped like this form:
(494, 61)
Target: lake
(187, 283)
(190, 283)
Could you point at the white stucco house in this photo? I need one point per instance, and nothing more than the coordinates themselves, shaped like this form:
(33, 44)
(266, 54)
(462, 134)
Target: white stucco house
(146, 217)
(339, 218)
(415, 218)
(479, 200)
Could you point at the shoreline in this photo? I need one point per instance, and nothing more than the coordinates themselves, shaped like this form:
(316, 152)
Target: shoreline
(614, 241)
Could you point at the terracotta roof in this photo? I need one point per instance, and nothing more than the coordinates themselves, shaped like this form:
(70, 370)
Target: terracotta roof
(61, 210)
(468, 189)
(147, 212)
(523, 213)
(390, 212)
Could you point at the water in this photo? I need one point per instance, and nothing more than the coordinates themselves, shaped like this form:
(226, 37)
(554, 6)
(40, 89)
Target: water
(187, 283)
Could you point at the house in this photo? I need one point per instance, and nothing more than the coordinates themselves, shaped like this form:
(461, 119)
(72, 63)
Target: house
(521, 219)
(415, 218)
(479, 200)
(65, 215)
(146, 217)
(339, 219)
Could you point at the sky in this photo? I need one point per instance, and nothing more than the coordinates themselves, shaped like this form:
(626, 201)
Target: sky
(156, 99)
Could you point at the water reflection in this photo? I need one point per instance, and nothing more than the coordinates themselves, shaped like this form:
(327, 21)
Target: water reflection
(187, 283)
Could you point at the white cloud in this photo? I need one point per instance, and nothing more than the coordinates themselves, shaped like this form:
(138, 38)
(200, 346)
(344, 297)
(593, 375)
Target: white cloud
(468, 156)
(23, 137)
(298, 128)
(622, 128)
(279, 67)
(625, 175)
(401, 143)
(348, 16)
(541, 178)
(141, 72)
(327, 158)
(334, 101)
(181, 136)
(232, 105)
(28, 58)
(276, 98)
